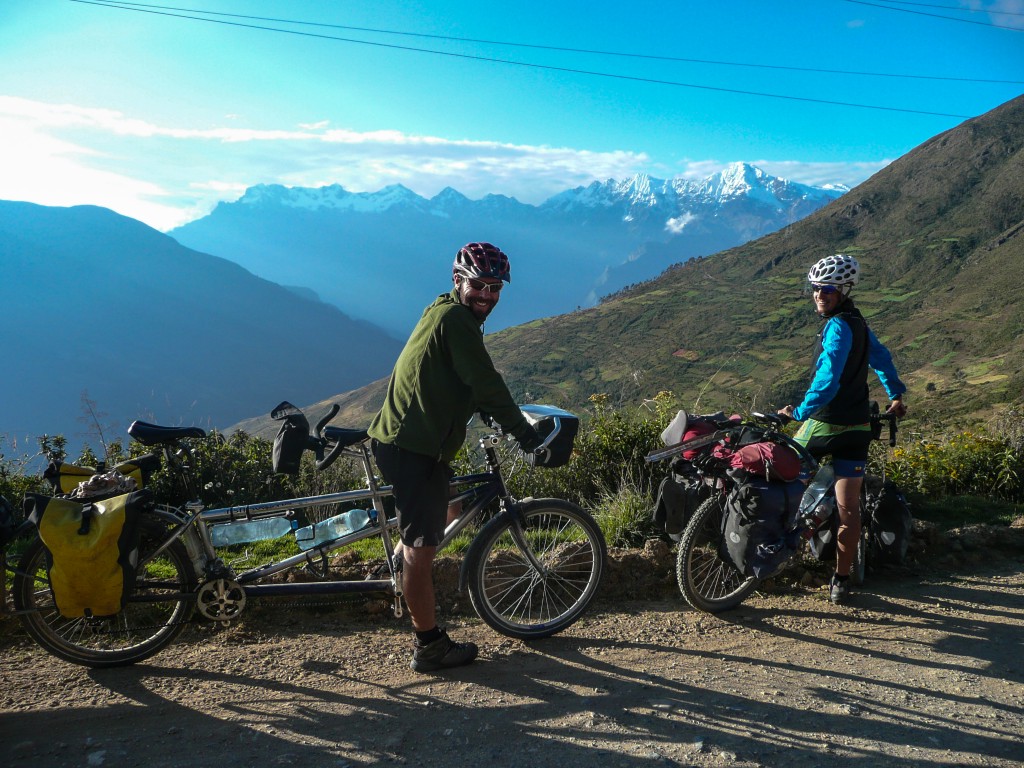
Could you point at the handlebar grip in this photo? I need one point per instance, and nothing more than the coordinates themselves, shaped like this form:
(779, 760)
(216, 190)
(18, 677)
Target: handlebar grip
(778, 419)
(892, 433)
(330, 457)
(331, 413)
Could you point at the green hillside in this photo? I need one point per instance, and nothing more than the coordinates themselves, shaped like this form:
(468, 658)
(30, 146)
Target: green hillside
(940, 235)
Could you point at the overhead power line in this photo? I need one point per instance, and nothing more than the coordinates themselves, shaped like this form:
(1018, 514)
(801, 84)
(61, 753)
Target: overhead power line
(890, 7)
(562, 49)
(546, 67)
(961, 9)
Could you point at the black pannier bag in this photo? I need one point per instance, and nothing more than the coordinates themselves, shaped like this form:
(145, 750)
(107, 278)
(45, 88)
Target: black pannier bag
(92, 549)
(292, 438)
(891, 523)
(9, 522)
(759, 520)
(678, 498)
(548, 419)
(823, 541)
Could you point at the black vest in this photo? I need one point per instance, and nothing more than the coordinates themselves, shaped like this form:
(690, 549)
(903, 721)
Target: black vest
(851, 404)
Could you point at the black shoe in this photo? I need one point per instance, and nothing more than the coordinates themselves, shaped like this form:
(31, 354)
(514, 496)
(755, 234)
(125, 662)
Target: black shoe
(839, 590)
(442, 653)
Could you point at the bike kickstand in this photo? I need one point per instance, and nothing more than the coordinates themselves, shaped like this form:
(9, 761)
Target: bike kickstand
(397, 610)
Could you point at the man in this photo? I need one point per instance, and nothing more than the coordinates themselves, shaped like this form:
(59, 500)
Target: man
(443, 375)
(838, 400)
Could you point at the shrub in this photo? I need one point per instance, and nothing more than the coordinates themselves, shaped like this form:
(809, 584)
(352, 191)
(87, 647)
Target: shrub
(610, 446)
(624, 513)
(967, 463)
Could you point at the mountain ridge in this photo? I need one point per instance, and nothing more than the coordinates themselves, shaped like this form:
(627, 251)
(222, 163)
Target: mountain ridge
(940, 235)
(99, 303)
(567, 251)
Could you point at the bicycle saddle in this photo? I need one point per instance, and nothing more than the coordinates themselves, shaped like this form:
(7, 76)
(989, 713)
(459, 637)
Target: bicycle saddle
(151, 434)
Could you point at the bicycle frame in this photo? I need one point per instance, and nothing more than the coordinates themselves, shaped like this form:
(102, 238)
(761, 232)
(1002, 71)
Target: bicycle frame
(193, 527)
(530, 571)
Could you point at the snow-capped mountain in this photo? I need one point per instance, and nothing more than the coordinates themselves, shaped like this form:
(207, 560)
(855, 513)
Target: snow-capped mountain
(566, 252)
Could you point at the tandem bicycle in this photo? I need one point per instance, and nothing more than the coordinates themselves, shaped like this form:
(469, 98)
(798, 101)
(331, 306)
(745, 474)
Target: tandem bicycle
(531, 569)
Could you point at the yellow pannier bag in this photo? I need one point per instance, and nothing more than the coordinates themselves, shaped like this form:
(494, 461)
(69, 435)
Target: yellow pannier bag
(92, 550)
(65, 477)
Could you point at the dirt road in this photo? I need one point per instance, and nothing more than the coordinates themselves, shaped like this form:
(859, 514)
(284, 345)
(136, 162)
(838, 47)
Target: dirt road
(924, 670)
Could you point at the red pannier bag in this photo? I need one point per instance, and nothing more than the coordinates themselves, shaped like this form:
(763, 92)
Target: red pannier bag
(772, 461)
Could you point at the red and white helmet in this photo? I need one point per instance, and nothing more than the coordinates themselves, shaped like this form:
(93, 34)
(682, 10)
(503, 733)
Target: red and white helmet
(482, 260)
(835, 270)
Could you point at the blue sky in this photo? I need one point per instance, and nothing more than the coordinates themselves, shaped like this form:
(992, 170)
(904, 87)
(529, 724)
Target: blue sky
(159, 117)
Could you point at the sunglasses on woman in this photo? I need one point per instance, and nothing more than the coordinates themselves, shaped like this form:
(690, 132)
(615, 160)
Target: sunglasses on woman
(824, 289)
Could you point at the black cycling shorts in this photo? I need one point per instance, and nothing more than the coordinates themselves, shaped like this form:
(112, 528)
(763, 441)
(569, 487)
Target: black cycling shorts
(846, 443)
(420, 485)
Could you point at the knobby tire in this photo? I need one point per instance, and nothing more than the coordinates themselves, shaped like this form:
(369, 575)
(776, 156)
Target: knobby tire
(709, 582)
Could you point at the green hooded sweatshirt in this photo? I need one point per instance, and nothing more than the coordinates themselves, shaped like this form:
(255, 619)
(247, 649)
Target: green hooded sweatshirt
(443, 376)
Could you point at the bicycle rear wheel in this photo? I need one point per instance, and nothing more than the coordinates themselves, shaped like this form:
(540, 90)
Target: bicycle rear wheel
(709, 582)
(532, 576)
(156, 613)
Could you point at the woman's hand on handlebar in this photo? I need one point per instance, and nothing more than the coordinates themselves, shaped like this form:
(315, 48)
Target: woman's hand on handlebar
(897, 408)
(786, 413)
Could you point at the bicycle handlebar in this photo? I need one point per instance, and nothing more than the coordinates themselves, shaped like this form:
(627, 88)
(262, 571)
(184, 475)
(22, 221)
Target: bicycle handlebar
(323, 462)
(893, 424)
(776, 419)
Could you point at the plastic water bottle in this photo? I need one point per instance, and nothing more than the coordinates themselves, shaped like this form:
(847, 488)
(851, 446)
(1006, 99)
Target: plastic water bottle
(816, 505)
(332, 528)
(250, 530)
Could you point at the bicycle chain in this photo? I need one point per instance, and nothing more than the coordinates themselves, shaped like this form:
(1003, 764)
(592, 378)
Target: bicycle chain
(277, 601)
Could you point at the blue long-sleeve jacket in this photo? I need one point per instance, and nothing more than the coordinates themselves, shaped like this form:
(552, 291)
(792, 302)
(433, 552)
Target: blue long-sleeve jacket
(836, 343)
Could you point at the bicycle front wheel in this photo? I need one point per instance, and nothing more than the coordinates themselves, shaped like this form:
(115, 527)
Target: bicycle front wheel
(708, 581)
(156, 612)
(533, 573)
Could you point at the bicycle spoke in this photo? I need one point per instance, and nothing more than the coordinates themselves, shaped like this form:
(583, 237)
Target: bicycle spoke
(529, 581)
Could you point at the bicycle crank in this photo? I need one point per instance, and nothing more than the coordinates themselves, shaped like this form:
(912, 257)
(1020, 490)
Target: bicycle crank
(220, 600)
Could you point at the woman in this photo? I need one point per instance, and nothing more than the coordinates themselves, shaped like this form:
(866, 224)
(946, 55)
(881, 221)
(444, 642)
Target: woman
(837, 398)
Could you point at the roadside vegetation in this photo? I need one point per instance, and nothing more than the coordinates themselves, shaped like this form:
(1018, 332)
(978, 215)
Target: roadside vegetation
(952, 479)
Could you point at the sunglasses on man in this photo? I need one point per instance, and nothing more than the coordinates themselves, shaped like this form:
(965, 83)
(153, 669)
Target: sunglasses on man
(480, 285)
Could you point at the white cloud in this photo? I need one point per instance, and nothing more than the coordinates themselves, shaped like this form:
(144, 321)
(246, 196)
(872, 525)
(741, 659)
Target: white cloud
(677, 224)
(996, 11)
(57, 154)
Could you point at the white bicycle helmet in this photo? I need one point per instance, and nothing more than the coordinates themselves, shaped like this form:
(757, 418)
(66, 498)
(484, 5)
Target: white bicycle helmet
(835, 270)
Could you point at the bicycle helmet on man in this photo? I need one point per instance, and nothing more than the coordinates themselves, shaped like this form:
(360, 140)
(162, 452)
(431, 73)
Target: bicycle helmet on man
(482, 260)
